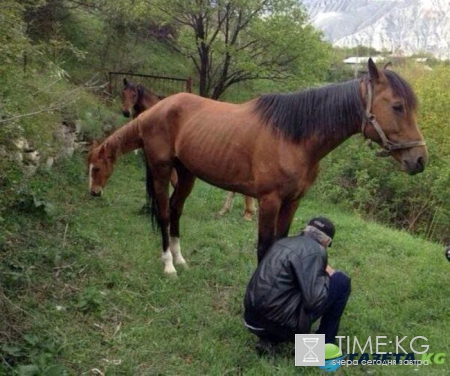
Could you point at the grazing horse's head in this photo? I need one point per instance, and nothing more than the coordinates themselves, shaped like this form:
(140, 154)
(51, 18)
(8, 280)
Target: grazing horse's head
(101, 166)
(391, 119)
(129, 96)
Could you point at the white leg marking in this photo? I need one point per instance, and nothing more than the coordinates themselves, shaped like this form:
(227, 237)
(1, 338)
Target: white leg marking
(176, 251)
(166, 258)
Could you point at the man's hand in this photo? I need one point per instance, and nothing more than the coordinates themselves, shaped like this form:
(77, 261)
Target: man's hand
(329, 270)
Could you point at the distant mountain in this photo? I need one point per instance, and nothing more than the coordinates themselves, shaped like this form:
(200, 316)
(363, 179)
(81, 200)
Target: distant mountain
(399, 26)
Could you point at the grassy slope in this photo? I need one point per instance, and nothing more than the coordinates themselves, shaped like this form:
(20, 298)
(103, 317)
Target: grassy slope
(98, 295)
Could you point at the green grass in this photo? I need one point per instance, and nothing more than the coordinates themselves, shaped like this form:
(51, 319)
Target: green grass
(92, 295)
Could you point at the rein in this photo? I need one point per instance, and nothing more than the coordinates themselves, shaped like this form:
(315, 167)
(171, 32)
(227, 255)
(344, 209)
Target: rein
(387, 144)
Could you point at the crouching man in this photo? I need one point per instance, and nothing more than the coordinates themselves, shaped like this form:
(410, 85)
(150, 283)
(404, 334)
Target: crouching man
(294, 286)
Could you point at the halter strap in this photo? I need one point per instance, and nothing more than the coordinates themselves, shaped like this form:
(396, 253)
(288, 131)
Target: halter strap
(370, 118)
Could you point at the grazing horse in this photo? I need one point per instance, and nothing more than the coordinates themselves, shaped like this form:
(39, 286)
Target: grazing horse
(135, 100)
(268, 148)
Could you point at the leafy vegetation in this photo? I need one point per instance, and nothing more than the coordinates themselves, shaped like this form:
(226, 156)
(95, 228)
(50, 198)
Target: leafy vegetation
(235, 41)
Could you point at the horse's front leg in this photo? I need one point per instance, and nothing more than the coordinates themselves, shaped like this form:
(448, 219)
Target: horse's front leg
(158, 176)
(285, 217)
(182, 190)
(269, 207)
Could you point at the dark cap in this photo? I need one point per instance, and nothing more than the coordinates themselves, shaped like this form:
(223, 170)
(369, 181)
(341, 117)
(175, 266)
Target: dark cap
(323, 224)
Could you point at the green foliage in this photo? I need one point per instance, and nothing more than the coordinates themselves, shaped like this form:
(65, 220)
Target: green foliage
(431, 87)
(90, 300)
(13, 39)
(33, 356)
(29, 202)
(237, 41)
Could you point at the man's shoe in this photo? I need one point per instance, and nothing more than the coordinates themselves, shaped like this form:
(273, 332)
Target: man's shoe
(266, 348)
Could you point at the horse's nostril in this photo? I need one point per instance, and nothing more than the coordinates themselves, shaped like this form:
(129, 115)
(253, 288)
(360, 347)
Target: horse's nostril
(421, 163)
(126, 113)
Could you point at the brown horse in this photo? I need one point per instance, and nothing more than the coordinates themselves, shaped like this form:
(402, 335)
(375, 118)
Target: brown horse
(268, 148)
(135, 100)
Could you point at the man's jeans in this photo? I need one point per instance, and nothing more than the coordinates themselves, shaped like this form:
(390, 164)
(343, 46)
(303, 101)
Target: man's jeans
(331, 313)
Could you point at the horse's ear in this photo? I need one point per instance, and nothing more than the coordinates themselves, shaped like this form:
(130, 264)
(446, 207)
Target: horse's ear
(374, 73)
(388, 65)
(101, 151)
(125, 81)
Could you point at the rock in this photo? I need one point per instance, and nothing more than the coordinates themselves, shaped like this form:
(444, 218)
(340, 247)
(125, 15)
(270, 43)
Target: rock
(49, 163)
(21, 143)
(31, 158)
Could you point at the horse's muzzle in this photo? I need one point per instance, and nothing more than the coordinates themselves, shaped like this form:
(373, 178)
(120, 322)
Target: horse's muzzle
(414, 167)
(126, 113)
(96, 194)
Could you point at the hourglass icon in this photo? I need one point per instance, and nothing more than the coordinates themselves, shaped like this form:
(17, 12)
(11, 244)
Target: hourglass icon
(310, 343)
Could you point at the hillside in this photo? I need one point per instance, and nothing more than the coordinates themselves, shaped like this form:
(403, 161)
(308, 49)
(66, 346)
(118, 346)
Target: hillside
(85, 292)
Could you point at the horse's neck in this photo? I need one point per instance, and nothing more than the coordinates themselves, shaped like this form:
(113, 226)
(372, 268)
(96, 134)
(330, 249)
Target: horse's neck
(149, 99)
(145, 101)
(319, 148)
(125, 139)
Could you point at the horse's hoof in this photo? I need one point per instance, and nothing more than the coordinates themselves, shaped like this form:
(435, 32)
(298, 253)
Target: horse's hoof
(170, 271)
(171, 275)
(248, 217)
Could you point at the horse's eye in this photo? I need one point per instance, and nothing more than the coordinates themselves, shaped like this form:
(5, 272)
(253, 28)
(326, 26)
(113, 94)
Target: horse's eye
(398, 107)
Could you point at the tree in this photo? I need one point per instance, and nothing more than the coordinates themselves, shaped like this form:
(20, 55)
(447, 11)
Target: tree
(239, 40)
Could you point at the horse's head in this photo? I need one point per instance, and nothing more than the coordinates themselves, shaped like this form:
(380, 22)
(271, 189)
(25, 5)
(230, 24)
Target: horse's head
(129, 96)
(391, 119)
(101, 166)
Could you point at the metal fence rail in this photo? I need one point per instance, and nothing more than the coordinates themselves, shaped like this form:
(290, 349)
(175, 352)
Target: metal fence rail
(160, 85)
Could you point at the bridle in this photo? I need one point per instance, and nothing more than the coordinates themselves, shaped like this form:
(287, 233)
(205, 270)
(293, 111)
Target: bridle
(370, 118)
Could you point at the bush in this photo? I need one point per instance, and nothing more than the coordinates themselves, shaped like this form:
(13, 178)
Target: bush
(354, 177)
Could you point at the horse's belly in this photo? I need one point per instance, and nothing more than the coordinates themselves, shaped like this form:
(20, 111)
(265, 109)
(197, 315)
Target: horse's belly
(227, 166)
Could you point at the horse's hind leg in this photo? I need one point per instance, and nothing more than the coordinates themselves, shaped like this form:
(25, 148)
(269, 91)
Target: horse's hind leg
(250, 208)
(182, 190)
(227, 205)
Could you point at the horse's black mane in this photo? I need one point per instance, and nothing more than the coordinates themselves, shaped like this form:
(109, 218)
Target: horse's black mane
(324, 111)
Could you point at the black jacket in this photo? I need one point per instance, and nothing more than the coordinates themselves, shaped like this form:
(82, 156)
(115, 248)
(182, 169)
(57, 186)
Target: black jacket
(289, 285)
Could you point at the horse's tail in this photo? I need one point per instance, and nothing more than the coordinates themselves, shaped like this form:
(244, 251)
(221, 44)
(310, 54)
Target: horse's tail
(154, 210)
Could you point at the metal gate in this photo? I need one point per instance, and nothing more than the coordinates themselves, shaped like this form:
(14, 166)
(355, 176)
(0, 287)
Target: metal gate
(160, 85)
